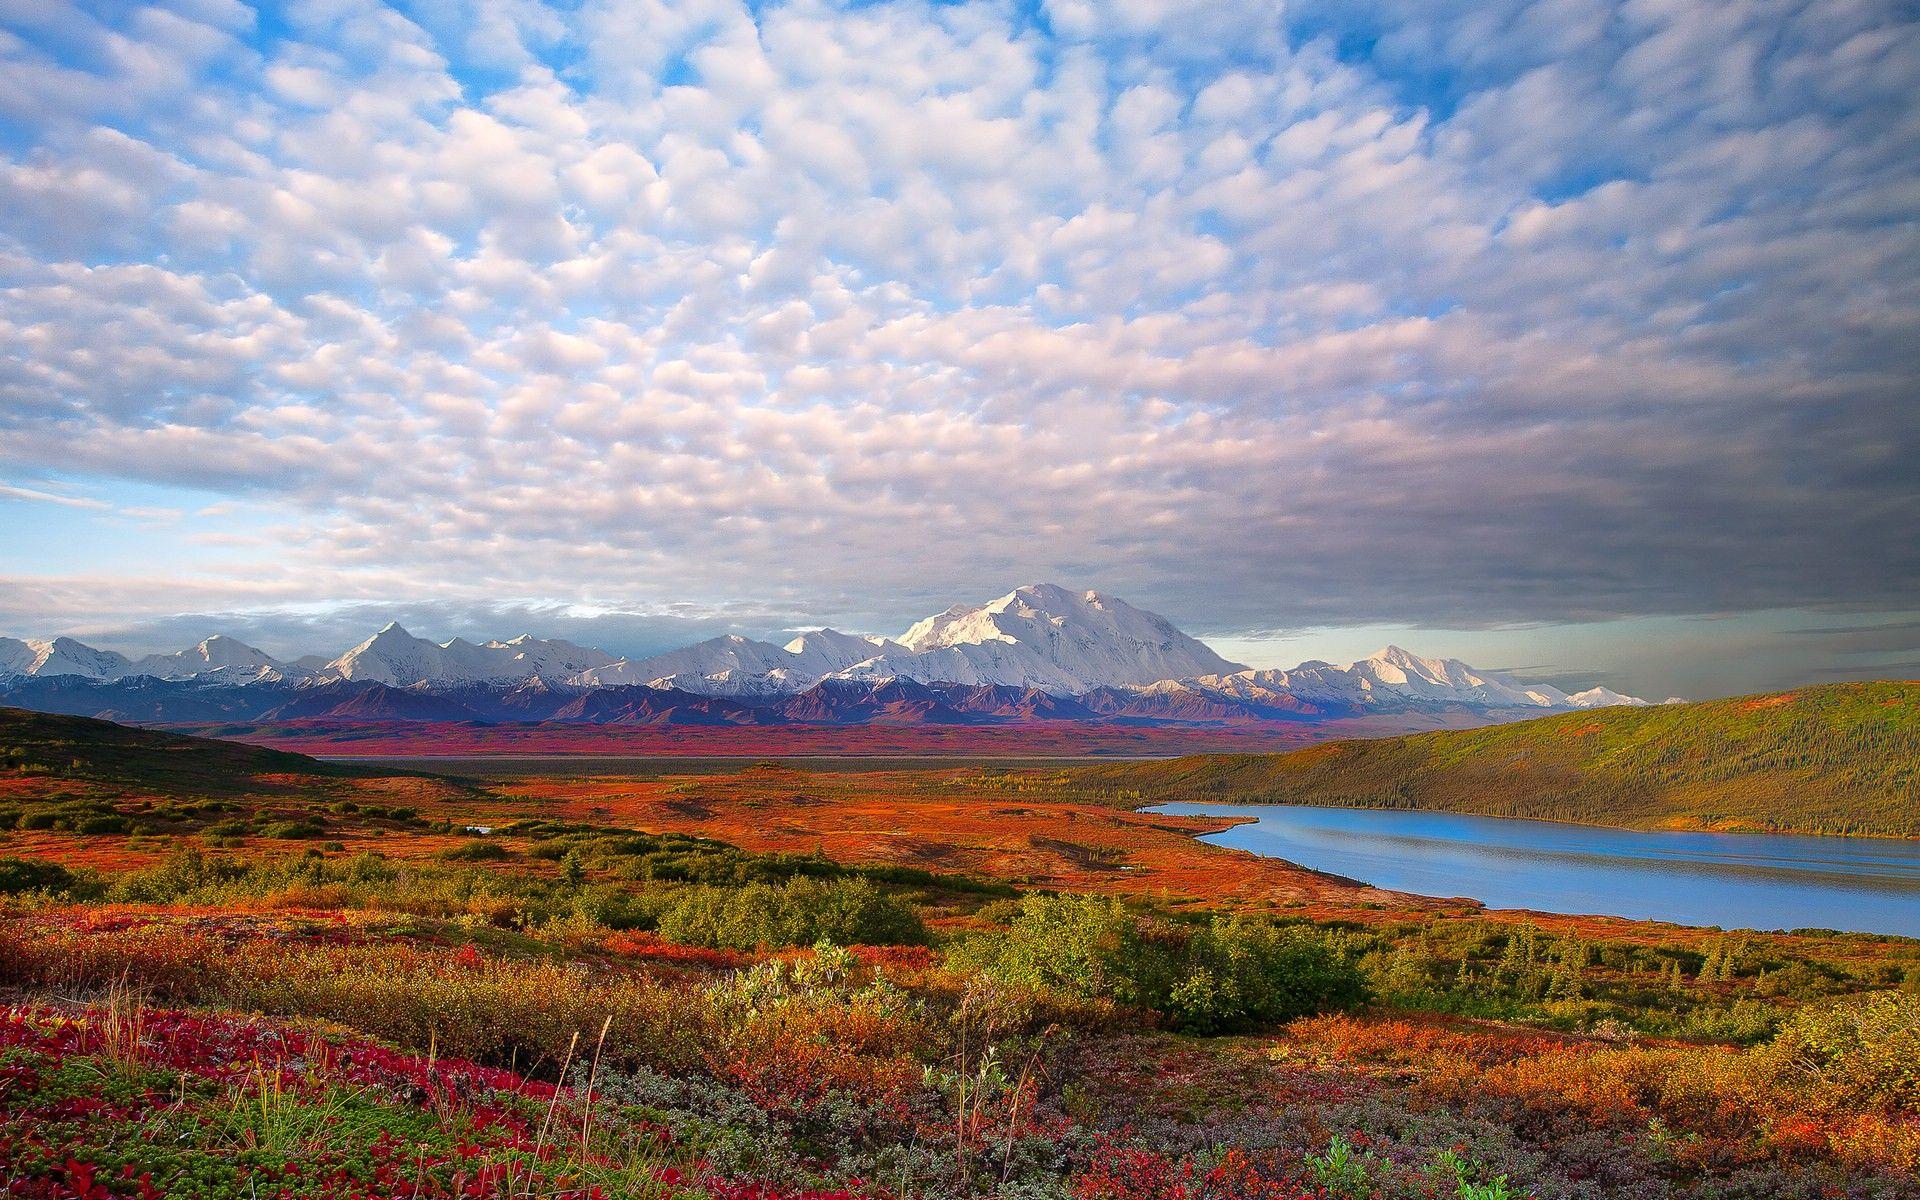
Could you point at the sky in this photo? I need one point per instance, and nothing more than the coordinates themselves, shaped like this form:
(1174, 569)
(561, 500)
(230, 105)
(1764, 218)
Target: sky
(1571, 337)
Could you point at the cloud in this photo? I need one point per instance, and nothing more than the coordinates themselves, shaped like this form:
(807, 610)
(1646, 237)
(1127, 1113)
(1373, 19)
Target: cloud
(1565, 680)
(1534, 312)
(20, 493)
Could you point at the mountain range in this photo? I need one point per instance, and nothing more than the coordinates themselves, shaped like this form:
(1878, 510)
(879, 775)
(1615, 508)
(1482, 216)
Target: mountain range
(1040, 652)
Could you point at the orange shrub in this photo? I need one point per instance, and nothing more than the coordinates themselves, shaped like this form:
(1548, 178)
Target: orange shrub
(1735, 1107)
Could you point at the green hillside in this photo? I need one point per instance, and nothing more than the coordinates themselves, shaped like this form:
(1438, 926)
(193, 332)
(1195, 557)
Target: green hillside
(1838, 759)
(81, 750)
(75, 775)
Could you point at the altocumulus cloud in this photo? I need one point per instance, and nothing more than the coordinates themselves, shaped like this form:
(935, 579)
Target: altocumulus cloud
(1436, 313)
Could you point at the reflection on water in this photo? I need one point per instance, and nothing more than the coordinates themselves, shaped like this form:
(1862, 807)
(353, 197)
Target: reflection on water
(1752, 881)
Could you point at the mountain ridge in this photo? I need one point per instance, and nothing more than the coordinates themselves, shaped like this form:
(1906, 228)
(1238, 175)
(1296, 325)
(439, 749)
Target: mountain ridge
(1111, 659)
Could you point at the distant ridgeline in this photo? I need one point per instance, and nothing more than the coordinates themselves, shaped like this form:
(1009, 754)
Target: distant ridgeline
(1838, 759)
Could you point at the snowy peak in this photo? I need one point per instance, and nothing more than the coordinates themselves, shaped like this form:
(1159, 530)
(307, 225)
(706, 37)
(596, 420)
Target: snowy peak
(728, 658)
(1042, 638)
(398, 659)
(1402, 666)
(392, 656)
(1447, 680)
(60, 656)
(827, 650)
(230, 657)
(16, 656)
(732, 665)
(1604, 697)
(220, 658)
(529, 657)
(1047, 637)
(1397, 680)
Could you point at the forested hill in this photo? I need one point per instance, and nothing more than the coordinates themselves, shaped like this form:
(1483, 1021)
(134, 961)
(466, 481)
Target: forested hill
(1838, 759)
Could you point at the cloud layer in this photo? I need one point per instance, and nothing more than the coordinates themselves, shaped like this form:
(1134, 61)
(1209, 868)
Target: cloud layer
(1440, 314)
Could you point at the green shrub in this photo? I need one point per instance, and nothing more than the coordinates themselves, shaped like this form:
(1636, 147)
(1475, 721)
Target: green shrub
(1863, 1051)
(368, 867)
(19, 875)
(292, 830)
(1241, 973)
(1230, 973)
(799, 913)
(477, 850)
(1090, 946)
(1344, 1172)
(184, 873)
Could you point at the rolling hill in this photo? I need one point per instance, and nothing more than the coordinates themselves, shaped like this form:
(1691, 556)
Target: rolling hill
(81, 750)
(63, 775)
(1836, 759)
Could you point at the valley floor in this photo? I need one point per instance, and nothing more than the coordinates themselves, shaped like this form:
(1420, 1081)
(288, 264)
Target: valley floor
(1000, 738)
(774, 983)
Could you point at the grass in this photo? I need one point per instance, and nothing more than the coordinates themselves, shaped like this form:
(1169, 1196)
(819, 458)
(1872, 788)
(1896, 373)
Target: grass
(800, 1074)
(611, 1006)
(1838, 759)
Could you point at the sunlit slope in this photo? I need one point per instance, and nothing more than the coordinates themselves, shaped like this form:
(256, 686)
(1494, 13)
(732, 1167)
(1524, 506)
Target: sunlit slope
(1838, 759)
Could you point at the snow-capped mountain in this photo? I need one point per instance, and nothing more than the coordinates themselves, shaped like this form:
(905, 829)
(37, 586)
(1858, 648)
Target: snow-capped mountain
(824, 651)
(1605, 697)
(16, 656)
(229, 658)
(737, 666)
(60, 656)
(1393, 680)
(1040, 636)
(1044, 636)
(1036, 641)
(397, 658)
(219, 657)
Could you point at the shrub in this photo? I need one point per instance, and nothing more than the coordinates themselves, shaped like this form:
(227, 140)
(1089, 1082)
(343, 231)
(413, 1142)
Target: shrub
(19, 875)
(496, 1010)
(850, 912)
(1089, 946)
(1227, 974)
(293, 830)
(1861, 1052)
(477, 850)
(185, 872)
(791, 1034)
(1241, 973)
(799, 913)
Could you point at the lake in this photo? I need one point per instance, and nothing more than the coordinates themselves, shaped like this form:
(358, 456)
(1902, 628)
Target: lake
(1738, 881)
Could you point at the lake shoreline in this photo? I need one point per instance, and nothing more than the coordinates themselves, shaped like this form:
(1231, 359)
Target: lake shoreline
(1730, 831)
(1693, 878)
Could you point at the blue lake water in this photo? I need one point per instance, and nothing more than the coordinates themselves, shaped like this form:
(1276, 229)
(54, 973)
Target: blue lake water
(1738, 881)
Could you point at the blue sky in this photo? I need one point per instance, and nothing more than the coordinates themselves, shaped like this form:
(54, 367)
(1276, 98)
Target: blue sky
(1557, 334)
